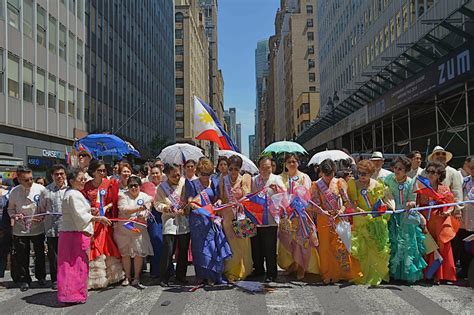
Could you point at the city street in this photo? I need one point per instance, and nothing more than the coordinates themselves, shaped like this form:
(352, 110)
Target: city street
(285, 297)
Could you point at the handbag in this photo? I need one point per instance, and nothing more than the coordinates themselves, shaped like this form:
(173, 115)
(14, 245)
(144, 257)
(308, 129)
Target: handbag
(244, 228)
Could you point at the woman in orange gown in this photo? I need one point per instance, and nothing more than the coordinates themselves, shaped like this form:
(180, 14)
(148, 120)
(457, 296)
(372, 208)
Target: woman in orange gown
(330, 193)
(441, 224)
(105, 259)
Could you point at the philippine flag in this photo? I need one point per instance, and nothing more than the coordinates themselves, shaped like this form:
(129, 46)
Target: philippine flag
(256, 208)
(434, 266)
(422, 185)
(208, 127)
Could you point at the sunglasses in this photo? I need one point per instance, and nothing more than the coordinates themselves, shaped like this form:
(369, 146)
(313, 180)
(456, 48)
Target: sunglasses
(29, 179)
(206, 174)
(133, 186)
(83, 155)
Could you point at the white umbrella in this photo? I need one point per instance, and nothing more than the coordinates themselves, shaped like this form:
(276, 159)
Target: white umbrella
(247, 164)
(328, 154)
(179, 153)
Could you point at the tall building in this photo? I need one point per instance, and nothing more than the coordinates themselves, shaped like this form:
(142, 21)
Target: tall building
(192, 65)
(293, 70)
(397, 77)
(238, 135)
(42, 80)
(261, 73)
(252, 152)
(227, 121)
(233, 123)
(216, 86)
(130, 69)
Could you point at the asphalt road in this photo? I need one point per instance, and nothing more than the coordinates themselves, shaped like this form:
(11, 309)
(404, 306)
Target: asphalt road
(284, 297)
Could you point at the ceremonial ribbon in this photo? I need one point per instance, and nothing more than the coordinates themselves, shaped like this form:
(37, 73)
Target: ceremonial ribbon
(401, 195)
(101, 194)
(365, 194)
(128, 220)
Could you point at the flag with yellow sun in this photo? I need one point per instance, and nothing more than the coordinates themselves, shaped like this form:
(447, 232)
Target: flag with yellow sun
(208, 127)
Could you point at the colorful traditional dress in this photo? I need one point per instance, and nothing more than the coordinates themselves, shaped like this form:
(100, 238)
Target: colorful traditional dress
(297, 247)
(105, 259)
(370, 244)
(336, 262)
(407, 247)
(240, 265)
(209, 245)
(443, 229)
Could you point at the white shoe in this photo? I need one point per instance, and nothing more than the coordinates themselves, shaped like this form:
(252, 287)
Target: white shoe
(125, 282)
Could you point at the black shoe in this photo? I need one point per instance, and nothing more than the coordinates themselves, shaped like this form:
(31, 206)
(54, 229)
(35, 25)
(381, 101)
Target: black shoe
(24, 287)
(42, 282)
(182, 281)
(164, 284)
(269, 279)
(54, 286)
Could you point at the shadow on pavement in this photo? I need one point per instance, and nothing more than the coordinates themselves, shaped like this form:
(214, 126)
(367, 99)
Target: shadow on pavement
(48, 299)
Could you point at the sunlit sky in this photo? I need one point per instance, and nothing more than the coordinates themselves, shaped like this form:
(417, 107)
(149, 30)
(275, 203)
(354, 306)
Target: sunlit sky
(242, 23)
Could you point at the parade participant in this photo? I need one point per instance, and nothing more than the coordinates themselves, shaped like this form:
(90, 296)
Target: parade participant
(441, 223)
(84, 159)
(160, 164)
(76, 229)
(295, 253)
(378, 161)
(415, 169)
(105, 265)
(330, 194)
(467, 222)
(125, 171)
(133, 244)
(233, 187)
(465, 169)
(5, 228)
(51, 202)
(175, 225)
(41, 180)
(370, 243)
(407, 247)
(190, 170)
(208, 243)
(155, 224)
(115, 171)
(264, 244)
(222, 170)
(24, 201)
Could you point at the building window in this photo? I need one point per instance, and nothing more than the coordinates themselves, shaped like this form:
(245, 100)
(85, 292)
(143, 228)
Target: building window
(52, 92)
(40, 87)
(179, 49)
(179, 17)
(311, 63)
(179, 99)
(62, 42)
(41, 29)
(79, 104)
(312, 89)
(309, 23)
(312, 77)
(180, 116)
(27, 82)
(180, 83)
(72, 6)
(310, 50)
(62, 97)
(28, 18)
(179, 66)
(13, 77)
(72, 51)
(304, 108)
(2, 10)
(309, 9)
(53, 34)
(2, 67)
(179, 33)
(14, 13)
(79, 9)
(70, 101)
(310, 35)
(80, 56)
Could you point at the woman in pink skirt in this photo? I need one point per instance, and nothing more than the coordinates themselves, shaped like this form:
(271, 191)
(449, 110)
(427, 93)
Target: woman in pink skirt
(74, 240)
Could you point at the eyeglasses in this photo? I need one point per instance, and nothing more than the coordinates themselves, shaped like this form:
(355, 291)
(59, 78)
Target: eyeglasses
(440, 153)
(206, 174)
(363, 174)
(83, 155)
(133, 186)
(101, 170)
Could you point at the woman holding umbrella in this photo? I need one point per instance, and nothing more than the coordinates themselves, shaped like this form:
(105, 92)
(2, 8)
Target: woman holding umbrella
(330, 194)
(102, 193)
(232, 188)
(297, 251)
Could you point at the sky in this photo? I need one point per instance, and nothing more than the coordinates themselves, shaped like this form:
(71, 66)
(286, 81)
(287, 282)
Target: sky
(242, 23)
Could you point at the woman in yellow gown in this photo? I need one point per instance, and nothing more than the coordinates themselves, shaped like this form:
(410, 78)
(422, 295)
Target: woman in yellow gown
(370, 243)
(232, 187)
(330, 194)
(297, 247)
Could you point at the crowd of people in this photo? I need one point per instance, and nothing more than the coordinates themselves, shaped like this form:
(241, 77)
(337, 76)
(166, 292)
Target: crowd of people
(100, 225)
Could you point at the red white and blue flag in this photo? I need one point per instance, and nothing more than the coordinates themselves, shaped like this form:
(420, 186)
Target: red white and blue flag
(208, 127)
(256, 208)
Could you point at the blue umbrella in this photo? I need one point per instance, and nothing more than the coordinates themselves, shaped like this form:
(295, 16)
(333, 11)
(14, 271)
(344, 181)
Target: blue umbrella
(100, 145)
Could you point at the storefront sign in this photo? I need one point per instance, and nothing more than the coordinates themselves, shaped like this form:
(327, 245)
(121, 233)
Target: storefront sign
(52, 154)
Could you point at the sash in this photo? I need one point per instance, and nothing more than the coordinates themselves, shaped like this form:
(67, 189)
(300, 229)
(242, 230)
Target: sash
(200, 190)
(401, 194)
(329, 197)
(171, 195)
(228, 189)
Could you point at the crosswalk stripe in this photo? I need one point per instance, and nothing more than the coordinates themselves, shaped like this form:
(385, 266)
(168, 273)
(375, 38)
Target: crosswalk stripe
(120, 302)
(7, 294)
(456, 300)
(219, 299)
(143, 301)
(378, 300)
(292, 299)
(421, 302)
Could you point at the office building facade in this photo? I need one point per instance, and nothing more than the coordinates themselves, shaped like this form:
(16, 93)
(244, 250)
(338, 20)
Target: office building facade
(42, 80)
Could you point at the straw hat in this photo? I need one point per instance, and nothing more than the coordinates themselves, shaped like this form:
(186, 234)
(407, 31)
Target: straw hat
(437, 149)
(377, 156)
